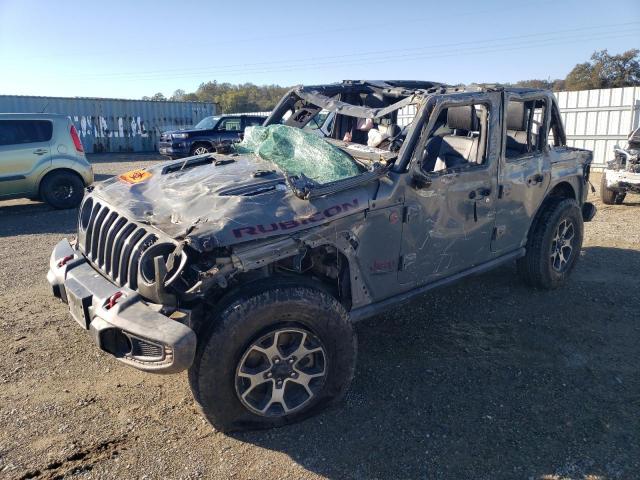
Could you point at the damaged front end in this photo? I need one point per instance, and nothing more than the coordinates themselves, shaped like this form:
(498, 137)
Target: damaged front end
(622, 174)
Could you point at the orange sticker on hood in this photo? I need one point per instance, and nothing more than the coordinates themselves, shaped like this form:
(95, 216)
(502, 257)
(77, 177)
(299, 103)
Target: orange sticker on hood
(135, 176)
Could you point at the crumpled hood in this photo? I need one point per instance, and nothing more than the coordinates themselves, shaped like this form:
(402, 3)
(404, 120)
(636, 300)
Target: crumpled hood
(227, 200)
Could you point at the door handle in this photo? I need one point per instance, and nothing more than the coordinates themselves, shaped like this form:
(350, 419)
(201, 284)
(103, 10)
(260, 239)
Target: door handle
(479, 193)
(40, 151)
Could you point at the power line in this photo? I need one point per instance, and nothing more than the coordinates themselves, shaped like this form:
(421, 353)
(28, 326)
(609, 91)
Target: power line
(414, 56)
(335, 59)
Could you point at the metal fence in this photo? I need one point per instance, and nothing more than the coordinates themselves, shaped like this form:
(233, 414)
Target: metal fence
(113, 125)
(598, 119)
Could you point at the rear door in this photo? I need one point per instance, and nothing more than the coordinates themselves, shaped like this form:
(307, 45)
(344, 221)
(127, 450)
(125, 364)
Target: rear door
(229, 129)
(25, 150)
(525, 168)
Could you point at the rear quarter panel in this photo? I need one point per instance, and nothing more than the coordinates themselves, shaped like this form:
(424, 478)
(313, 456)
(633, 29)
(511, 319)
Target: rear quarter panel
(568, 164)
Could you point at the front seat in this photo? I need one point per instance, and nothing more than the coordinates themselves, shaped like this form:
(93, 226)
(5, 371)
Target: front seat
(456, 148)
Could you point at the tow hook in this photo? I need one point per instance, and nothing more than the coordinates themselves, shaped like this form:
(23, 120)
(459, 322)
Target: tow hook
(113, 299)
(64, 261)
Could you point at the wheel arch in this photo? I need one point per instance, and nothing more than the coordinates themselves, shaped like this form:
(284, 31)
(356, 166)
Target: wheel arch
(58, 170)
(562, 189)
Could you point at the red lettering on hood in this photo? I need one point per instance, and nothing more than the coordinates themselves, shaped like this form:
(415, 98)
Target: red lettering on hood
(293, 223)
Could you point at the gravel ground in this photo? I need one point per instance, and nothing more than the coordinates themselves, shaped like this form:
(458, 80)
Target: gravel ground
(486, 379)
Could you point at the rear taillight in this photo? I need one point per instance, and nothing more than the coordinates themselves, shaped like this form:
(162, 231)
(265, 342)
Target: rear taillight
(76, 139)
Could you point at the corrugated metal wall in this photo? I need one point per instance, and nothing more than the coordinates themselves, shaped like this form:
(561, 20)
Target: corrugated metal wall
(598, 119)
(113, 125)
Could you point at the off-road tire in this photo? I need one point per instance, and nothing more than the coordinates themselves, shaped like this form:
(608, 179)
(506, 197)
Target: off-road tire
(230, 331)
(535, 268)
(607, 195)
(62, 189)
(201, 146)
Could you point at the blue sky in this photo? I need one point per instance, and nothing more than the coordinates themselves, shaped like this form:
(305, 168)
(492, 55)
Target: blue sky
(128, 49)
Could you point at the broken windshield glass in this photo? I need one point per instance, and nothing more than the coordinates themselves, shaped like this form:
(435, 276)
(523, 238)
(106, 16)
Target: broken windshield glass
(299, 153)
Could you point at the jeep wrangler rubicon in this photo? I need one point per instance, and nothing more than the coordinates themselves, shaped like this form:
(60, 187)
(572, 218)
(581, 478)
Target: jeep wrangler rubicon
(249, 267)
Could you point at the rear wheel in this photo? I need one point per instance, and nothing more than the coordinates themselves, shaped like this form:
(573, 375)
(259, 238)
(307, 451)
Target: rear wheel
(554, 244)
(273, 357)
(62, 189)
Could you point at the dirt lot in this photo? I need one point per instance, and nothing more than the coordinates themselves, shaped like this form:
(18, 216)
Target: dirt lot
(484, 380)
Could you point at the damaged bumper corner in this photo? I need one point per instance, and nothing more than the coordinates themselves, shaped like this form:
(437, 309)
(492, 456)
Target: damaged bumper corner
(118, 319)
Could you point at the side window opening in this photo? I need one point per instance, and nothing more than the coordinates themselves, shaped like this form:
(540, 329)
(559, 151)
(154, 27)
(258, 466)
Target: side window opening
(459, 139)
(525, 125)
(16, 132)
(229, 125)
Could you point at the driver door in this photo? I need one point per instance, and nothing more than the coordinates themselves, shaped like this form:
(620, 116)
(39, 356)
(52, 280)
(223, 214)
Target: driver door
(450, 210)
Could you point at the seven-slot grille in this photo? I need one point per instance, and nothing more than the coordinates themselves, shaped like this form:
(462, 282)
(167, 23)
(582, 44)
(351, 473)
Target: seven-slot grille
(113, 243)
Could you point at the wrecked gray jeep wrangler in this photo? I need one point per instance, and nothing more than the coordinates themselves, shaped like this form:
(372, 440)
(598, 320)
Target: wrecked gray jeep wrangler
(249, 267)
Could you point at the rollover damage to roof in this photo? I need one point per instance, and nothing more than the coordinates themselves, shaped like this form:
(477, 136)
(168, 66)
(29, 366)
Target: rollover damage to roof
(277, 180)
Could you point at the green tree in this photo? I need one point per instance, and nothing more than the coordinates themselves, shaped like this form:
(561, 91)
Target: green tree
(606, 71)
(158, 97)
(178, 95)
(245, 97)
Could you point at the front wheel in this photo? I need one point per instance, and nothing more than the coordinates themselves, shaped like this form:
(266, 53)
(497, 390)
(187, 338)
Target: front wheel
(607, 195)
(200, 149)
(273, 357)
(554, 244)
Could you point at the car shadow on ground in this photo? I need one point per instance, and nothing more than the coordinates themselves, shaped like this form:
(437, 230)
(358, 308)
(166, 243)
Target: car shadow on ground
(34, 218)
(489, 379)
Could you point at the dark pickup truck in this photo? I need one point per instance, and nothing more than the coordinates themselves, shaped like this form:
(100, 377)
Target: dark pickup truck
(248, 268)
(208, 134)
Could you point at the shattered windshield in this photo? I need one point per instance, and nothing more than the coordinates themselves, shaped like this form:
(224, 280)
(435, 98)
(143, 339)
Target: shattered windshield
(299, 152)
(207, 123)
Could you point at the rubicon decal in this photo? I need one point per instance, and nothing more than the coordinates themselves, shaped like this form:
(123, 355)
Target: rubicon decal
(329, 212)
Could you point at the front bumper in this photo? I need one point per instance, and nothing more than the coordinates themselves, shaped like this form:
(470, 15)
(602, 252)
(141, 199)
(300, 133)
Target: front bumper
(128, 328)
(622, 180)
(181, 149)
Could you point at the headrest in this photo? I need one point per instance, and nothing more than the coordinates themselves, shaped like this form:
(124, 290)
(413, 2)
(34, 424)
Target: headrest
(462, 118)
(516, 116)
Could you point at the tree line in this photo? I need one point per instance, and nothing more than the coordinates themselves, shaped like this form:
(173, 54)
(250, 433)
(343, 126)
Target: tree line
(602, 70)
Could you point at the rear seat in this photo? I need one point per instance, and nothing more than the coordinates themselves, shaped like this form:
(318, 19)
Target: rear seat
(458, 147)
(517, 123)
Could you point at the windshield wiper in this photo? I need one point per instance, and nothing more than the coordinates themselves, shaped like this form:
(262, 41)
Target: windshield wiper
(305, 188)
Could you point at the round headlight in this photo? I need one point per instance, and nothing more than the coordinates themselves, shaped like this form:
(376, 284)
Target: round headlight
(147, 266)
